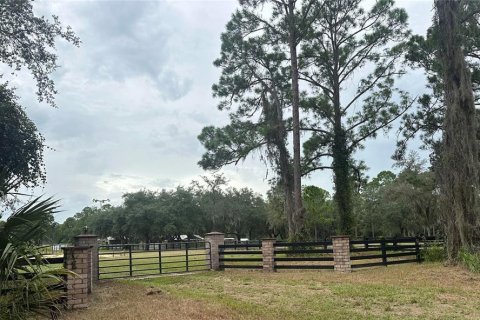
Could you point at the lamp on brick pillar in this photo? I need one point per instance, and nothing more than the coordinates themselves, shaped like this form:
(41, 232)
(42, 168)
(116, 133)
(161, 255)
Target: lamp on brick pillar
(215, 239)
(341, 254)
(90, 240)
(268, 254)
(77, 259)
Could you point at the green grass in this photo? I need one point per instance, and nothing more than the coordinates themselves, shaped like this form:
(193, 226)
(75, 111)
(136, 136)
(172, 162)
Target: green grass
(399, 292)
(471, 260)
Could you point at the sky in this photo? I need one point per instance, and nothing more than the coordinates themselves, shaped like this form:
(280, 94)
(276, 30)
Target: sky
(137, 92)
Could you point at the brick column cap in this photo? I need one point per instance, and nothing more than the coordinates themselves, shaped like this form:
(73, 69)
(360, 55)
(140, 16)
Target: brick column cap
(215, 233)
(76, 247)
(269, 239)
(340, 236)
(86, 236)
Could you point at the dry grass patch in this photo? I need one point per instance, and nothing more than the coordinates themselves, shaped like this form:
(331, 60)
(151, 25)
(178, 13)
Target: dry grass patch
(125, 301)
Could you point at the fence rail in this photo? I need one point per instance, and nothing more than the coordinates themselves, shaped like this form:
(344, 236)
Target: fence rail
(303, 255)
(130, 260)
(384, 252)
(241, 256)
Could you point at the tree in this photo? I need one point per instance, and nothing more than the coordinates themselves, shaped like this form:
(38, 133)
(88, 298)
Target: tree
(141, 207)
(400, 205)
(21, 146)
(373, 207)
(28, 41)
(320, 219)
(346, 42)
(254, 78)
(459, 152)
(427, 119)
(275, 211)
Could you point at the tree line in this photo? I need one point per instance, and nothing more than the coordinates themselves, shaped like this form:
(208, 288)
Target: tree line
(389, 205)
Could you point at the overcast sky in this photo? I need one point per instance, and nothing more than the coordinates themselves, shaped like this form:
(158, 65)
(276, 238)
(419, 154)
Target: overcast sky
(133, 98)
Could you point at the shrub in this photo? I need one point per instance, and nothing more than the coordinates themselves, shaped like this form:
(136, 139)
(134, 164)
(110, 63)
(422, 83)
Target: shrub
(471, 260)
(27, 285)
(433, 254)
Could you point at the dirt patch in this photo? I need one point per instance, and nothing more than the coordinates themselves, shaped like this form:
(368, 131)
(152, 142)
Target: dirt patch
(123, 301)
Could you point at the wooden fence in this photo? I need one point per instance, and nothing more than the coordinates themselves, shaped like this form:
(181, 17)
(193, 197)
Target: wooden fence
(384, 252)
(323, 254)
(241, 256)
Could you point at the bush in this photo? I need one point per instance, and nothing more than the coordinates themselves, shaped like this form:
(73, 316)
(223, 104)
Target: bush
(433, 254)
(470, 260)
(27, 285)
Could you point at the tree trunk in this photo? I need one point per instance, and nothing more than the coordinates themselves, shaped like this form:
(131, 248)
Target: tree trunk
(298, 221)
(276, 137)
(341, 163)
(459, 154)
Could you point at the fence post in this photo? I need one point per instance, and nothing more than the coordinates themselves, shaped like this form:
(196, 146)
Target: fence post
(417, 250)
(186, 256)
(78, 260)
(160, 258)
(130, 259)
(341, 254)
(268, 254)
(90, 240)
(384, 252)
(215, 239)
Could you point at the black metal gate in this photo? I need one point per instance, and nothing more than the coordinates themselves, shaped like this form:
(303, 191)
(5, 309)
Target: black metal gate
(132, 260)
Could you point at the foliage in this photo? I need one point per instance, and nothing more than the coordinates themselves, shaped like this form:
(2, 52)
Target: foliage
(347, 41)
(21, 146)
(254, 88)
(426, 120)
(320, 217)
(258, 82)
(403, 205)
(471, 260)
(276, 218)
(28, 41)
(23, 295)
(433, 254)
(150, 216)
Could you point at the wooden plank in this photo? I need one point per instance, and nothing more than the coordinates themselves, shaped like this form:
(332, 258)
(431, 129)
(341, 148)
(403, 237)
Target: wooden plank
(303, 244)
(241, 266)
(240, 252)
(304, 267)
(366, 257)
(367, 265)
(304, 259)
(402, 261)
(240, 259)
(304, 251)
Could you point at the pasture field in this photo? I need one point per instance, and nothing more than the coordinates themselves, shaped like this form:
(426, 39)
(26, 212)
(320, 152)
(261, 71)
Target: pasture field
(413, 291)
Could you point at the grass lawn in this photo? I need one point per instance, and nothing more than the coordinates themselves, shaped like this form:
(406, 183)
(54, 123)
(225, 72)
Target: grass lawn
(425, 291)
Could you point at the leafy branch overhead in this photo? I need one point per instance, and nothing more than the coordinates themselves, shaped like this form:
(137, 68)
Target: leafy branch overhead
(28, 41)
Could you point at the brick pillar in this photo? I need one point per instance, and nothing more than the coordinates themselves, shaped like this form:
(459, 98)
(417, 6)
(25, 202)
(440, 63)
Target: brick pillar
(268, 254)
(78, 260)
(90, 240)
(215, 239)
(341, 254)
